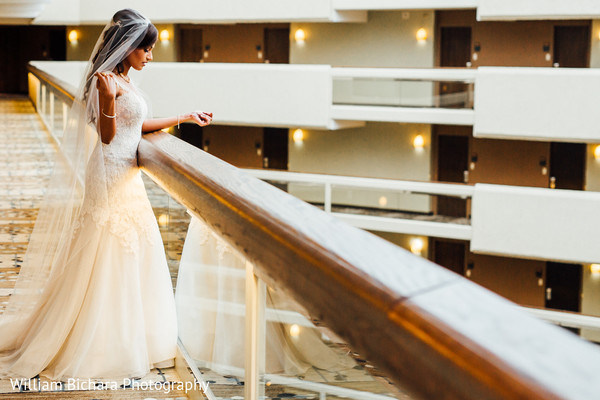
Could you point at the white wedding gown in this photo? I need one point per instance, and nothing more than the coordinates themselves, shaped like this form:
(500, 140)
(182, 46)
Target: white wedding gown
(110, 312)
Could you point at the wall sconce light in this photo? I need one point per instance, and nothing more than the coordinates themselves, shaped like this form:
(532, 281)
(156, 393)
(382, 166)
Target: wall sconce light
(258, 149)
(421, 35)
(300, 36)
(165, 36)
(469, 271)
(74, 36)
(298, 136)
(259, 51)
(595, 269)
(206, 50)
(597, 152)
(416, 246)
(206, 144)
(552, 182)
(419, 142)
(383, 201)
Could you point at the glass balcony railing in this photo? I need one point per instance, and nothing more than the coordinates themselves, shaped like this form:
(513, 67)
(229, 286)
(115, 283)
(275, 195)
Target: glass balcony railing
(397, 87)
(402, 93)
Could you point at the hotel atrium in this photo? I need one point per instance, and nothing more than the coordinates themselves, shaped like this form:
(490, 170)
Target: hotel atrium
(400, 198)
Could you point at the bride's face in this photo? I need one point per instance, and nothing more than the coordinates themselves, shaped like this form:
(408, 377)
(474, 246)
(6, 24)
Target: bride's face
(140, 57)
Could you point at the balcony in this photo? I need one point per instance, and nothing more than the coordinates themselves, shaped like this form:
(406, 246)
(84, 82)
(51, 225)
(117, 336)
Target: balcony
(240, 11)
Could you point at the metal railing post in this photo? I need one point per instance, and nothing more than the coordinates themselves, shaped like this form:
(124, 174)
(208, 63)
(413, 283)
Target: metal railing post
(254, 361)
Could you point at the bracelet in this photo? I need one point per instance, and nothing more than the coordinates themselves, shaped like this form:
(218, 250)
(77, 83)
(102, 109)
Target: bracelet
(109, 116)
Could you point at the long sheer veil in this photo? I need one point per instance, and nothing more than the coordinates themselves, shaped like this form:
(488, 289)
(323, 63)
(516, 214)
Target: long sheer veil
(78, 167)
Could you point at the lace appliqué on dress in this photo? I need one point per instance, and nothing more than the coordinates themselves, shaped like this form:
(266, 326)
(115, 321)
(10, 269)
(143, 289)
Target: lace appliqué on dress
(114, 191)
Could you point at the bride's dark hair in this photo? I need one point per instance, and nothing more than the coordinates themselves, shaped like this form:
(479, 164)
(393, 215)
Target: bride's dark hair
(125, 23)
(114, 35)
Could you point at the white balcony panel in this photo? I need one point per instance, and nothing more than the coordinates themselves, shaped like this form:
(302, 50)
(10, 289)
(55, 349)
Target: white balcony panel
(204, 11)
(538, 223)
(537, 9)
(404, 4)
(403, 114)
(242, 94)
(408, 226)
(548, 104)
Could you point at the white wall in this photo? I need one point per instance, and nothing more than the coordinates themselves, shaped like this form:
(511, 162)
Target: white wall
(386, 40)
(536, 223)
(196, 11)
(379, 150)
(590, 302)
(537, 9)
(556, 104)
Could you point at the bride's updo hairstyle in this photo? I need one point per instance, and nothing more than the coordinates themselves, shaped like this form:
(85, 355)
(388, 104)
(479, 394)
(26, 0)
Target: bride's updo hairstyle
(127, 31)
(123, 21)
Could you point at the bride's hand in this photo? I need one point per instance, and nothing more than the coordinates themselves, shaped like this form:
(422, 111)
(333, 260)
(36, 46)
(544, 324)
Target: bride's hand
(107, 85)
(201, 118)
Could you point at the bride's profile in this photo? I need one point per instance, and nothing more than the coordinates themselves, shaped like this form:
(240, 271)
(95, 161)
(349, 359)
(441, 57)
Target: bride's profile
(94, 297)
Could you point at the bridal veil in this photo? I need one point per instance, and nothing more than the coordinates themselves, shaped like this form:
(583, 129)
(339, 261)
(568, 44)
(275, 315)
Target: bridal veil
(79, 162)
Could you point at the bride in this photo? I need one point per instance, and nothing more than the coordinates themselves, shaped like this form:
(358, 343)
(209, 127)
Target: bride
(94, 297)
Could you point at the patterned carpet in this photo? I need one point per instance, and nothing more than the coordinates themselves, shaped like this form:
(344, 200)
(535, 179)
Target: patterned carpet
(26, 153)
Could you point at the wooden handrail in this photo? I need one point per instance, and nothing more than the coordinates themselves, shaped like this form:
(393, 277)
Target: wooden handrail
(60, 87)
(430, 330)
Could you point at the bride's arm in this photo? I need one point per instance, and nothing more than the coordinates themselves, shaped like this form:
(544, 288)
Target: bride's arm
(199, 117)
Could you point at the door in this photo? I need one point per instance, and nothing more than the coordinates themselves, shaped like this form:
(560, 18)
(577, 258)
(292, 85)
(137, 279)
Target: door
(452, 163)
(563, 286)
(190, 44)
(571, 46)
(275, 155)
(567, 165)
(455, 51)
(449, 254)
(277, 45)
(510, 162)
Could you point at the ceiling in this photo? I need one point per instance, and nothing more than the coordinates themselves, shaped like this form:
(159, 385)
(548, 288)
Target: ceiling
(20, 11)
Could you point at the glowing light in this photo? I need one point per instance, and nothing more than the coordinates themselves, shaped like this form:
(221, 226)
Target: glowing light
(419, 142)
(595, 269)
(416, 246)
(294, 330)
(165, 36)
(421, 35)
(383, 201)
(597, 152)
(300, 35)
(163, 219)
(73, 36)
(298, 136)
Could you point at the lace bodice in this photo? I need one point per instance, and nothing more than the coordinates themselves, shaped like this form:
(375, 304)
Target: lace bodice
(114, 191)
